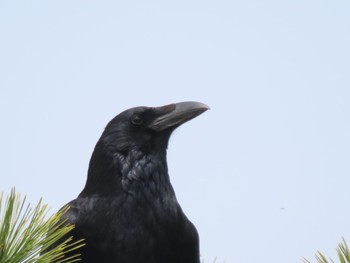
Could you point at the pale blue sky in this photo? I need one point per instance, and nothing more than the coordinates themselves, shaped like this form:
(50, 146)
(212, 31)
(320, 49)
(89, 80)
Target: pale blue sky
(264, 175)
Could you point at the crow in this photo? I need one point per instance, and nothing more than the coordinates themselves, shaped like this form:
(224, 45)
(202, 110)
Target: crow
(128, 211)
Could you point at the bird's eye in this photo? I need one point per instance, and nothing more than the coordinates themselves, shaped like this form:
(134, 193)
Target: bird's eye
(136, 120)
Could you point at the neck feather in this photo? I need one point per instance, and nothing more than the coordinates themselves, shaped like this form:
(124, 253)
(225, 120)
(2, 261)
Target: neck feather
(135, 173)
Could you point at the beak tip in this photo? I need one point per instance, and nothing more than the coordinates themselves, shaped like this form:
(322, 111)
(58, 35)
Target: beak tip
(206, 107)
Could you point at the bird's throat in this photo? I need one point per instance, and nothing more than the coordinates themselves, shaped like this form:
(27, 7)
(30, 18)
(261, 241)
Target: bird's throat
(140, 171)
(134, 173)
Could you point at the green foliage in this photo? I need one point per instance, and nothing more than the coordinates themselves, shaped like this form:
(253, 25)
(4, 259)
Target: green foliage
(26, 234)
(342, 251)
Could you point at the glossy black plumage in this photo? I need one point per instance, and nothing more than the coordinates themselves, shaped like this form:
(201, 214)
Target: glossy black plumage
(127, 211)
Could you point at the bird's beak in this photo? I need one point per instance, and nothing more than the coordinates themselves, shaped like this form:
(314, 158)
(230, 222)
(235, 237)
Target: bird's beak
(173, 115)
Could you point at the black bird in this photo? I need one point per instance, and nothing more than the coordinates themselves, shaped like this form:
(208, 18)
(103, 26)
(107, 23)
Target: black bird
(128, 211)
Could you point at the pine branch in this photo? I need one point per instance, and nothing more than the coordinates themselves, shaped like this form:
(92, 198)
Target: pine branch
(342, 251)
(26, 234)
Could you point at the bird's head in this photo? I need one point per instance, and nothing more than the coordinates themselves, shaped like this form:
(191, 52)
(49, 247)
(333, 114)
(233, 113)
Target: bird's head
(148, 129)
(133, 146)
